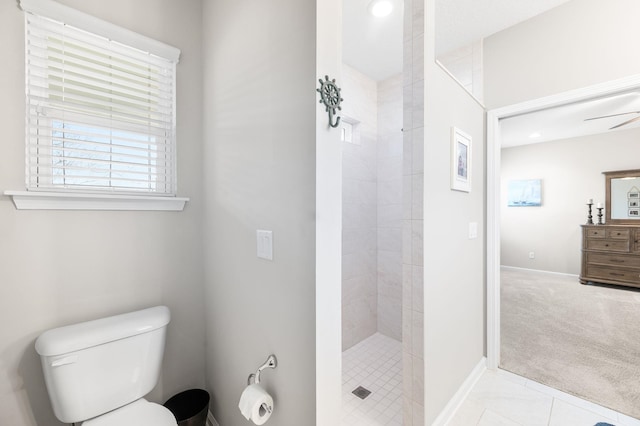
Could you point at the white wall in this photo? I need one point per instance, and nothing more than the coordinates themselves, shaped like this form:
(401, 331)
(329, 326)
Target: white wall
(61, 267)
(328, 225)
(260, 149)
(571, 172)
(580, 43)
(453, 264)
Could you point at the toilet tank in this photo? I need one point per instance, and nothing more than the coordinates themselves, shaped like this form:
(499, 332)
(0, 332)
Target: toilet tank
(97, 366)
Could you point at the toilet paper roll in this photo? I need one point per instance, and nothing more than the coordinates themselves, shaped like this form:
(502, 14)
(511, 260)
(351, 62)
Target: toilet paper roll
(256, 404)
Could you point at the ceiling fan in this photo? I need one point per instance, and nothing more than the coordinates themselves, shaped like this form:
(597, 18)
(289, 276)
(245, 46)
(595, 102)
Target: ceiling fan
(633, 120)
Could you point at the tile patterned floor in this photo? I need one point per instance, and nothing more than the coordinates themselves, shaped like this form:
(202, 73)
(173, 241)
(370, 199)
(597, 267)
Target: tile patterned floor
(375, 364)
(501, 398)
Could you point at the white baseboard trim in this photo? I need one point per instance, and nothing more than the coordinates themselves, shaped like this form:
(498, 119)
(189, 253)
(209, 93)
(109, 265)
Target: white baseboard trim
(211, 421)
(461, 394)
(515, 268)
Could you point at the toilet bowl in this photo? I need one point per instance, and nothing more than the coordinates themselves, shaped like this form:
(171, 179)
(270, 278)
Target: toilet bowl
(98, 372)
(138, 413)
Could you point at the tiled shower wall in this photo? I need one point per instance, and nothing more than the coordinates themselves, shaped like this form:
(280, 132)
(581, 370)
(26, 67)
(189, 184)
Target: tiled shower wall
(413, 218)
(372, 208)
(390, 207)
(359, 214)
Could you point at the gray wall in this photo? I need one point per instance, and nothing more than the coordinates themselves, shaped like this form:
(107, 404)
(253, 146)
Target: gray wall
(577, 44)
(454, 270)
(571, 172)
(259, 135)
(61, 267)
(454, 264)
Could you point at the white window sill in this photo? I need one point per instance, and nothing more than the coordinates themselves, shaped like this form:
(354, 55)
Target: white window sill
(29, 200)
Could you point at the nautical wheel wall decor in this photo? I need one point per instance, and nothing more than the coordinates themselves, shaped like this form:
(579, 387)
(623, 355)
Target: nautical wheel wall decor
(330, 96)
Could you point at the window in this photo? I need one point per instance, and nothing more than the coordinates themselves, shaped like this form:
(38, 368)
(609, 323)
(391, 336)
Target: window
(350, 130)
(100, 106)
(346, 132)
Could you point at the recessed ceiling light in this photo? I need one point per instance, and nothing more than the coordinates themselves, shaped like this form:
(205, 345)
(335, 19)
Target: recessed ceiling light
(380, 8)
(535, 135)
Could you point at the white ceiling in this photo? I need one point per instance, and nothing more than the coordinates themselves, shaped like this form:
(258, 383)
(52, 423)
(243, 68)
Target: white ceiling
(373, 46)
(568, 121)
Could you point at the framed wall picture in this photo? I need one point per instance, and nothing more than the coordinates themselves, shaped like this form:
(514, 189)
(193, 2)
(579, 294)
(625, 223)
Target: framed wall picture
(524, 193)
(460, 160)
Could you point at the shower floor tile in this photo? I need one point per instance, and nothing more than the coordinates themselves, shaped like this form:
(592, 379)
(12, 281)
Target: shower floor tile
(376, 365)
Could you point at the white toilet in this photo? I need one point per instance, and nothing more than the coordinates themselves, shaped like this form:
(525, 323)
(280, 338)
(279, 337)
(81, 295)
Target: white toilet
(97, 372)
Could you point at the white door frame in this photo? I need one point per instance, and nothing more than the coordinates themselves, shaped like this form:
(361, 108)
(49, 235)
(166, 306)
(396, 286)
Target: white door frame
(494, 143)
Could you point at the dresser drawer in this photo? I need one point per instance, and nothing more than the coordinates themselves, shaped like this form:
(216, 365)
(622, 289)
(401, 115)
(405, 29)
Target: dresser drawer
(618, 234)
(613, 274)
(613, 260)
(607, 244)
(596, 233)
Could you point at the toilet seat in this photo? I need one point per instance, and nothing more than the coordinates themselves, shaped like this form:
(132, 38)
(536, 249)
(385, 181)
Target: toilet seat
(139, 413)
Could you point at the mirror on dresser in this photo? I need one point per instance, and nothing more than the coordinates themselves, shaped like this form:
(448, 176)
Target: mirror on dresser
(622, 204)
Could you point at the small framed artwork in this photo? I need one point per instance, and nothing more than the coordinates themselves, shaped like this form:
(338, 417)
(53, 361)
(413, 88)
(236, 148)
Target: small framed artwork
(524, 193)
(634, 203)
(460, 160)
(634, 212)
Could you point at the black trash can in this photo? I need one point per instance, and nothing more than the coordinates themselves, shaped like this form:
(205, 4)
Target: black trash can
(190, 407)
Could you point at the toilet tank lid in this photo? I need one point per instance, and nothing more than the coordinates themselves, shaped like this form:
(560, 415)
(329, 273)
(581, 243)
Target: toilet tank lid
(62, 340)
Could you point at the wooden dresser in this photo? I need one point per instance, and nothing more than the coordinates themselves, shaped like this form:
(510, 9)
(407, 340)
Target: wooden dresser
(611, 254)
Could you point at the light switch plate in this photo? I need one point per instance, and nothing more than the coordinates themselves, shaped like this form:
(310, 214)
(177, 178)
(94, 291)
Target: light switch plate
(265, 244)
(473, 230)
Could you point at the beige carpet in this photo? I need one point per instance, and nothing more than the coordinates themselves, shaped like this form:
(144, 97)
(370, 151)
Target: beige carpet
(583, 340)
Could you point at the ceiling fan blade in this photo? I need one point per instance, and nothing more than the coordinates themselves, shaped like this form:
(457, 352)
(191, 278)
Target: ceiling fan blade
(612, 115)
(633, 120)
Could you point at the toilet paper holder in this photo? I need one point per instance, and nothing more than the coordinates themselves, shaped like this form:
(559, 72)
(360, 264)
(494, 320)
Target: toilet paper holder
(271, 362)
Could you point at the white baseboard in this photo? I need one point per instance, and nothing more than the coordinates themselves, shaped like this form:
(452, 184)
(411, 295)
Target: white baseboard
(461, 394)
(211, 421)
(516, 268)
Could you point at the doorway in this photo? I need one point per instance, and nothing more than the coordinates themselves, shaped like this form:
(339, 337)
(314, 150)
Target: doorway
(495, 201)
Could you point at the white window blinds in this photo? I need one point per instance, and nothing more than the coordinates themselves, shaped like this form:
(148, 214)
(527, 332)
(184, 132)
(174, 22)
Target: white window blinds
(100, 113)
